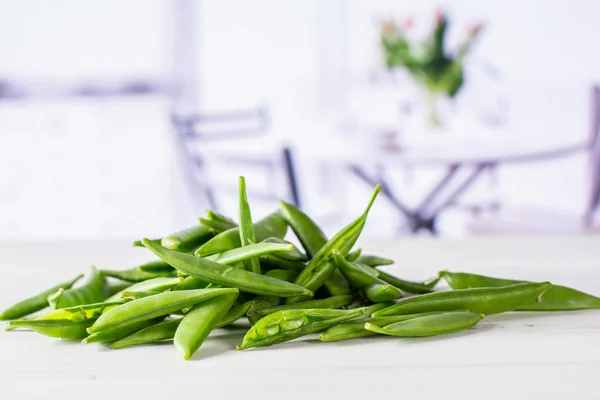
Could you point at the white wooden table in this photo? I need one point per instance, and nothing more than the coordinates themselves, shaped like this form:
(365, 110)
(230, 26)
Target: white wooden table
(521, 355)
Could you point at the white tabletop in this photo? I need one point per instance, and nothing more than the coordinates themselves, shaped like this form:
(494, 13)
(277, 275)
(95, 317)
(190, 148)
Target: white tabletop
(521, 355)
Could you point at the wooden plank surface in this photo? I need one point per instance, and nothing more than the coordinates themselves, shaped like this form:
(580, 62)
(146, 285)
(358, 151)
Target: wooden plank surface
(521, 355)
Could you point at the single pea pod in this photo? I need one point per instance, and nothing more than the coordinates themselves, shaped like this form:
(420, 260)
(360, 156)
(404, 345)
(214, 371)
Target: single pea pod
(137, 275)
(187, 238)
(270, 226)
(154, 306)
(197, 324)
(212, 215)
(112, 335)
(373, 261)
(378, 293)
(293, 254)
(155, 266)
(356, 329)
(233, 256)
(138, 243)
(273, 260)
(94, 290)
(155, 333)
(407, 286)
(156, 285)
(320, 267)
(557, 298)
(286, 325)
(134, 295)
(217, 226)
(246, 227)
(330, 302)
(479, 300)
(117, 287)
(313, 239)
(353, 256)
(236, 312)
(35, 303)
(430, 325)
(214, 272)
(66, 323)
(191, 283)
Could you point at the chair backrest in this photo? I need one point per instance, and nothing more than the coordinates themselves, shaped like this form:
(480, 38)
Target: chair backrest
(594, 199)
(198, 131)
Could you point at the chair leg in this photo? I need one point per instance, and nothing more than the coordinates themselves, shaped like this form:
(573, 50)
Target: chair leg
(291, 176)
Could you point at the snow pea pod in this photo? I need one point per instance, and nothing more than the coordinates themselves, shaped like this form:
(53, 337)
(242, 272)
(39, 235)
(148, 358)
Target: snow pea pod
(154, 306)
(351, 257)
(111, 335)
(313, 239)
(155, 266)
(273, 260)
(291, 324)
(236, 312)
(228, 276)
(191, 283)
(197, 324)
(479, 300)
(270, 226)
(373, 261)
(330, 302)
(557, 298)
(378, 293)
(157, 284)
(217, 226)
(133, 295)
(238, 254)
(137, 275)
(320, 267)
(187, 238)
(118, 287)
(356, 329)
(152, 334)
(35, 303)
(94, 290)
(246, 227)
(430, 325)
(218, 217)
(293, 254)
(407, 286)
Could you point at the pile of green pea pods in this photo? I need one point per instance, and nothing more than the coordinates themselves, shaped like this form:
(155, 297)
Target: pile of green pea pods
(219, 272)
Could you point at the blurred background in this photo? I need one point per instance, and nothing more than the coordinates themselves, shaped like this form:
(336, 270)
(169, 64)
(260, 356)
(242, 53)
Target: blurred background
(129, 119)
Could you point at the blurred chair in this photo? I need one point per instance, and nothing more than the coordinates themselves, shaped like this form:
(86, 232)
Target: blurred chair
(225, 138)
(594, 200)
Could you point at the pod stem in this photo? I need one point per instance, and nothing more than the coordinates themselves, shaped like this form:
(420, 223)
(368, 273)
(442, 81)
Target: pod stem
(373, 197)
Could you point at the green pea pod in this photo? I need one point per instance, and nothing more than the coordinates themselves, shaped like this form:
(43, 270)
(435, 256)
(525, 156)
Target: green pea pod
(217, 217)
(56, 328)
(155, 266)
(330, 302)
(407, 286)
(217, 226)
(152, 334)
(154, 306)
(313, 239)
(65, 323)
(133, 295)
(35, 303)
(291, 324)
(293, 254)
(236, 312)
(191, 283)
(282, 274)
(557, 298)
(199, 322)
(228, 276)
(356, 274)
(306, 230)
(273, 260)
(270, 226)
(118, 287)
(430, 325)
(479, 300)
(378, 293)
(246, 227)
(93, 291)
(138, 243)
(320, 267)
(157, 284)
(111, 335)
(187, 238)
(233, 256)
(137, 275)
(351, 257)
(373, 261)
(356, 329)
